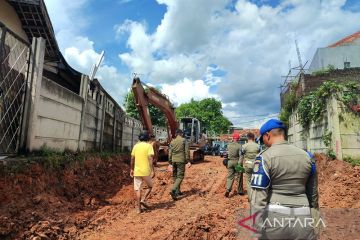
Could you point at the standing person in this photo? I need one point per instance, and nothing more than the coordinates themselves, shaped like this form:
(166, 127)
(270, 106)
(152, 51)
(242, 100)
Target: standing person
(179, 156)
(249, 151)
(284, 184)
(142, 169)
(234, 158)
(155, 144)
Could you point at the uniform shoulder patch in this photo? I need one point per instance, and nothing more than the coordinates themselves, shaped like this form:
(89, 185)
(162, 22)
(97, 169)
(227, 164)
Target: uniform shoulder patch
(260, 177)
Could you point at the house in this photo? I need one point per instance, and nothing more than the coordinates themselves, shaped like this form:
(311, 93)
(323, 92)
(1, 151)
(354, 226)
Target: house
(343, 54)
(43, 100)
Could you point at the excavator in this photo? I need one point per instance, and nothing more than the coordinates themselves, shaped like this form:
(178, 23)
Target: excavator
(190, 126)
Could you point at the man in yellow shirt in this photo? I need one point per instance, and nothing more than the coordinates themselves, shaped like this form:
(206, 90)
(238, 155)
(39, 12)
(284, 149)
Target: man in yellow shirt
(142, 168)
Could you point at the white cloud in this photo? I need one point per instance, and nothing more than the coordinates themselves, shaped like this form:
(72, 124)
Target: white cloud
(79, 51)
(251, 44)
(186, 89)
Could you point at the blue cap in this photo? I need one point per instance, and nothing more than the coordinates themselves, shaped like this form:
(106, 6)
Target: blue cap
(270, 125)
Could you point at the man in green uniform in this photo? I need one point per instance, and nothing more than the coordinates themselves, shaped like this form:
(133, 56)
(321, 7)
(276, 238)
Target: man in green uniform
(234, 158)
(249, 151)
(179, 156)
(284, 187)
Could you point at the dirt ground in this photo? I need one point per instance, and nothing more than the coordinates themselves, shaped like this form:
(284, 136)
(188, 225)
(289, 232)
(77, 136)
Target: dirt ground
(96, 201)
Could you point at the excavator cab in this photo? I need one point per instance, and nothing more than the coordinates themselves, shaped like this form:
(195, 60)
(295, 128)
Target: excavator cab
(192, 132)
(191, 128)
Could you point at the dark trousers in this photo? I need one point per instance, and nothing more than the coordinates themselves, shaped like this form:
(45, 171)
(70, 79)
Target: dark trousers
(231, 177)
(178, 176)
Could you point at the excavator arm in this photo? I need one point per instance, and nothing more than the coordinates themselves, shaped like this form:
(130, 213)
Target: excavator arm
(144, 97)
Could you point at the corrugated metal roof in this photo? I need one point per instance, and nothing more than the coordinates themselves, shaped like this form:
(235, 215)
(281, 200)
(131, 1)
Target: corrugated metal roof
(349, 40)
(36, 23)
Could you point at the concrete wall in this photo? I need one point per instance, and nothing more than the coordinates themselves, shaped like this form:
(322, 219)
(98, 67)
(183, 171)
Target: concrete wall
(335, 56)
(92, 129)
(57, 122)
(349, 133)
(130, 132)
(61, 119)
(343, 124)
(58, 117)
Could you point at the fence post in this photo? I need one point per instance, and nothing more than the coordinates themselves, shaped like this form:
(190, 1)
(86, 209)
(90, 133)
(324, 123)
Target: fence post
(38, 49)
(83, 94)
(334, 126)
(114, 129)
(102, 123)
(25, 118)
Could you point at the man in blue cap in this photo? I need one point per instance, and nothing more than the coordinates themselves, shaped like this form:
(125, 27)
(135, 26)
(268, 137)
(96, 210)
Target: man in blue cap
(284, 187)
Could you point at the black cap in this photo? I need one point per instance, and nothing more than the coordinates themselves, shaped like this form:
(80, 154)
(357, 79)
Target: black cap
(179, 132)
(144, 136)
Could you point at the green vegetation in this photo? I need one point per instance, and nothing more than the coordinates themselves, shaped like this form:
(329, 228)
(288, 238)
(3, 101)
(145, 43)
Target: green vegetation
(157, 116)
(208, 111)
(327, 138)
(322, 72)
(289, 104)
(354, 162)
(331, 154)
(310, 108)
(53, 160)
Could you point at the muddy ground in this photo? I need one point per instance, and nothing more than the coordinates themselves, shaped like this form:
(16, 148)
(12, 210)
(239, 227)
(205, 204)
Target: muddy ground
(95, 200)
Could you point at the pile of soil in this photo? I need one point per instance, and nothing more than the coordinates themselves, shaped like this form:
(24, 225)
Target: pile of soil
(338, 183)
(42, 203)
(95, 200)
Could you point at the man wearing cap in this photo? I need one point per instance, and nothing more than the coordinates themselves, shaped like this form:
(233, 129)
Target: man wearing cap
(179, 156)
(142, 169)
(249, 151)
(234, 149)
(284, 187)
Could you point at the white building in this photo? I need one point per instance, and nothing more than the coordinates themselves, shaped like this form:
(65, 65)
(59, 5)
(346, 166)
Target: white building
(342, 54)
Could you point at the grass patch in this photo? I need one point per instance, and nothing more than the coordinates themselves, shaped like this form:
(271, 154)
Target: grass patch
(353, 161)
(52, 160)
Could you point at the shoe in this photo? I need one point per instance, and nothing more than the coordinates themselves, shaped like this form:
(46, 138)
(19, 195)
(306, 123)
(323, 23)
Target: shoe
(227, 194)
(144, 204)
(180, 193)
(173, 195)
(138, 210)
(241, 193)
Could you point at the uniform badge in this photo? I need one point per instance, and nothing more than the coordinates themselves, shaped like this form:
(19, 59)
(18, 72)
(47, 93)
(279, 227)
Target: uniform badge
(260, 178)
(256, 167)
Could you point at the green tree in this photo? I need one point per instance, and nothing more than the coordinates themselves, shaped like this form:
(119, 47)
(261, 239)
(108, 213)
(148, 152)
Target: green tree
(208, 111)
(157, 116)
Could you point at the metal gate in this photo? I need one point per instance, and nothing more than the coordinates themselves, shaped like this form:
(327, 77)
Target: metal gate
(14, 66)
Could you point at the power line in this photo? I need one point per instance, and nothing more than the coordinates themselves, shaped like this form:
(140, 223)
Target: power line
(247, 116)
(255, 120)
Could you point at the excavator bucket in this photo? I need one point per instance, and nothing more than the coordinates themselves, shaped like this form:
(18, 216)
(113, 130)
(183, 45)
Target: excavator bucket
(197, 155)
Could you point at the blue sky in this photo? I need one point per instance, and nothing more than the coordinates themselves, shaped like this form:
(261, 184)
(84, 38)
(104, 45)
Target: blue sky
(233, 50)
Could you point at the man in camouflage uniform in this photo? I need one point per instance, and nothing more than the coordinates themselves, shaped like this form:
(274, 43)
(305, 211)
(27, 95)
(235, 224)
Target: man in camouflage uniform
(284, 187)
(234, 158)
(249, 151)
(179, 156)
